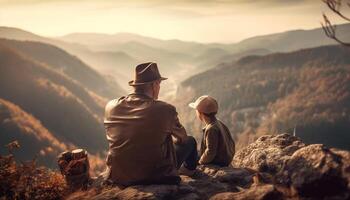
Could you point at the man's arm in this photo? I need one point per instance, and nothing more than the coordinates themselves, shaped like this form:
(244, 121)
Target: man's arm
(211, 147)
(178, 132)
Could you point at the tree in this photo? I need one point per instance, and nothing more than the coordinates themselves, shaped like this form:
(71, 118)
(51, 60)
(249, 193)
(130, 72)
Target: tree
(330, 29)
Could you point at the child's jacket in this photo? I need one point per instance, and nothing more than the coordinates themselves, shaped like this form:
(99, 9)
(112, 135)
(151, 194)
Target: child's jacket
(217, 145)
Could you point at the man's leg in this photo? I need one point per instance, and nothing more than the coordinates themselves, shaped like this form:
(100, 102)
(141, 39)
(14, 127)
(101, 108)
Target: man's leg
(187, 154)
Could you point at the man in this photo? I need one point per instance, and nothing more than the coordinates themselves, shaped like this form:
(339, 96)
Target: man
(217, 147)
(140, 130)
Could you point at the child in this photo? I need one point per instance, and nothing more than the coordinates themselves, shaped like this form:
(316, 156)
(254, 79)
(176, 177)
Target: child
(217, 145)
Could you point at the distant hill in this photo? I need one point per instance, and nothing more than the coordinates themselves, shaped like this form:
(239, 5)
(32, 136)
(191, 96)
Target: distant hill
(211, 54)
(284, 41)
(19, 34)
(205, 61)
(293, 40)
(116, 64)
(106, 41)
(70, 65)
(33, 137)
(307, 89)
(100, 55)
(35, 141)
(117, 54)
(91, 39)
(182, 59)
(68, 110)
(23, 35)
(94, 60)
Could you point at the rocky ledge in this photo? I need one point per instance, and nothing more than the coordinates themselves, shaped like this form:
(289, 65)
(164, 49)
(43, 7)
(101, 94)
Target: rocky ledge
(273, 167)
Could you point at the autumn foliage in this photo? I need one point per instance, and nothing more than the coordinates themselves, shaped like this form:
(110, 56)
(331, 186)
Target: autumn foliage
(26, 180)
(307, 91)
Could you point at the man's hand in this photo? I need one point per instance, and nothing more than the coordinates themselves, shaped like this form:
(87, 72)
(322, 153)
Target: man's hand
(176, 140)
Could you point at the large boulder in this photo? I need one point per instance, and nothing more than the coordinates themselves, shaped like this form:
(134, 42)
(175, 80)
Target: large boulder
(273, 167)
(345, 156)
(211, 179)
(208, 181)
(152, 192)
(318, 172)
(267, 153)
(234, 176)
(139, 192)
(256, 192)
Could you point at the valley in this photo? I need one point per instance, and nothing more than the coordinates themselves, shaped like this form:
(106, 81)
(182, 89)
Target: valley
(284, 82)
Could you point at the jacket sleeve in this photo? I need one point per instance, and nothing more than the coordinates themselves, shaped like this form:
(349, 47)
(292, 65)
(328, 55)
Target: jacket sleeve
(178, 131)
(211, 141)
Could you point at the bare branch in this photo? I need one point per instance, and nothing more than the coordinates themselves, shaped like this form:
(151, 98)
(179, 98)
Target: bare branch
(335, 5)
(327, 26)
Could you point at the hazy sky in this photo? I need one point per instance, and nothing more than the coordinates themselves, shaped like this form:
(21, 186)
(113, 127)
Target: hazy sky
(192, 20)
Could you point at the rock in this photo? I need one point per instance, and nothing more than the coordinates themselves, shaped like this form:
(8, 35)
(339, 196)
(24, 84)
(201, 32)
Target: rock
(258, 192)
(158, 192)
(235, 176)
(273, 167)
(138, 192)
(318, 172)
(206, 187)
(345, 156)
(212, 179)
(209, 181)
(109, 193)
(268, 153)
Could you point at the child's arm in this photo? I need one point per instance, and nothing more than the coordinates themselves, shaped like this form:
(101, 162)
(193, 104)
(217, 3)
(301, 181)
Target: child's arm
(211, 147)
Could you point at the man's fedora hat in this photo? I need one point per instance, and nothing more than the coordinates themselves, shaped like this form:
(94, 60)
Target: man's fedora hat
(146, 73)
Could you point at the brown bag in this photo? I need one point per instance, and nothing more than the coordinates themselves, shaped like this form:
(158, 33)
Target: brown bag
(74, 166)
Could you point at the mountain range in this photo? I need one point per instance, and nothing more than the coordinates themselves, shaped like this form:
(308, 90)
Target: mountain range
(305, 92)
(53, 90)
(117, 54)
(55, 96)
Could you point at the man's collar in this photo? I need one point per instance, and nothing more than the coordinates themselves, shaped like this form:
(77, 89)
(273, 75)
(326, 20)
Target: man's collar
(140, 95)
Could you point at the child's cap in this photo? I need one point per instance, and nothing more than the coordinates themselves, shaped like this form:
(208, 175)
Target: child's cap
(205, 104)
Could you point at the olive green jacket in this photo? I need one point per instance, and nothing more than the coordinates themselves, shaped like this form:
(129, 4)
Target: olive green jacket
(217, 145)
